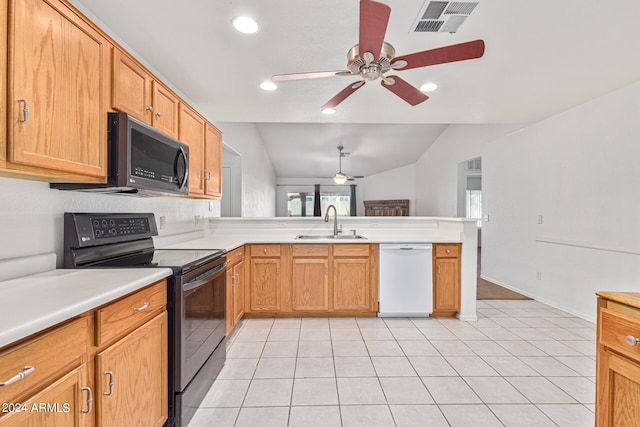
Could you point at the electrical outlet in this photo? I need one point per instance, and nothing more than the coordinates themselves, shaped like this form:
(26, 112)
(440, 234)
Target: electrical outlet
(211, 206)
(539, 219)
(163, 222)
(375, 225)
(196, 219)
(486, 218)
(538, 275)
(281, 224)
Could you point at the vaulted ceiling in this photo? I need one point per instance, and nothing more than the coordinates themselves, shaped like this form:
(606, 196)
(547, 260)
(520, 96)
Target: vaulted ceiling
(541, 58)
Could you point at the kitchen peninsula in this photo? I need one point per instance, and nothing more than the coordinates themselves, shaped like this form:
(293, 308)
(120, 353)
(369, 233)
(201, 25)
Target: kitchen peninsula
(274, 239)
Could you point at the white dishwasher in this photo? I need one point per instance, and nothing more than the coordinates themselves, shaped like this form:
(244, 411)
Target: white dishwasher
(405, 280)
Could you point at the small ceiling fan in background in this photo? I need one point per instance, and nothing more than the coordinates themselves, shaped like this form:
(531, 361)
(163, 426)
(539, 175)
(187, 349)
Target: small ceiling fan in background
(340, 177)
(372, 57)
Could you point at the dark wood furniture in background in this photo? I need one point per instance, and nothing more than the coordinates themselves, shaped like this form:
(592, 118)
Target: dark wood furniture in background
(386, 207)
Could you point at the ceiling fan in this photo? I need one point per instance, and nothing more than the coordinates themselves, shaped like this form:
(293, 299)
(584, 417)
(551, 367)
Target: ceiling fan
(372, 57)
(340, 177)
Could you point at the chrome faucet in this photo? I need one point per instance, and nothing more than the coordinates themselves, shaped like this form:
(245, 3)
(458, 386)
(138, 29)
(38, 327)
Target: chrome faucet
(335, 219)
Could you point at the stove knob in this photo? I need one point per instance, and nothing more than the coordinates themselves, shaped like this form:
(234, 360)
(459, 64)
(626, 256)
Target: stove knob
(96, 223)
(105, 223)
(113, 231)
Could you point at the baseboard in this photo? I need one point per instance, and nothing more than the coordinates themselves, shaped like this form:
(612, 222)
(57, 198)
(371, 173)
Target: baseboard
(539, 299)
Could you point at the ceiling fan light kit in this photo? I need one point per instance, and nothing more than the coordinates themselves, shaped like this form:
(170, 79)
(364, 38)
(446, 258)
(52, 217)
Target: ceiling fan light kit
(341, 178)
(372, 57)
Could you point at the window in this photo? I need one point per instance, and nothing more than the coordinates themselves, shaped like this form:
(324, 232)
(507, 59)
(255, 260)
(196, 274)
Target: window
(301, 204)
(474, 205)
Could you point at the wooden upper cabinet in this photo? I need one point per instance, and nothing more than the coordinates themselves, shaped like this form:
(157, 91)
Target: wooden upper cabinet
(165, 109)
(131, 87)
(57, 90)
(213, 162)
(134, 91)
(192, 130)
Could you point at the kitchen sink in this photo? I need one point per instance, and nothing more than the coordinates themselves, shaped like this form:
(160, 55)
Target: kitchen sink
(329, 236)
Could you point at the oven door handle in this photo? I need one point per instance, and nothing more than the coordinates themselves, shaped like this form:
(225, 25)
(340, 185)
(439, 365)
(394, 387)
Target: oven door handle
(204, 279)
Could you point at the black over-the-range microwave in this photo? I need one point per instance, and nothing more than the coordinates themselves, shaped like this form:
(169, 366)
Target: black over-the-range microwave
(142, 161)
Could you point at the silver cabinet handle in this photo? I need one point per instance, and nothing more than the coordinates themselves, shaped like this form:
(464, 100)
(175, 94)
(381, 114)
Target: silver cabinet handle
(89, 399)
(142, 307)
(632, 341)
(448, 251)
(264, 250)
(25, 371)
(110, 374)
(438, 269)
(158, 114)
(25, 111)
(207, 175)
(149, 109)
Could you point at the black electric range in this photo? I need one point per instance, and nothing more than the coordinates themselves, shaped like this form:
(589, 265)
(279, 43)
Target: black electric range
(195, 292)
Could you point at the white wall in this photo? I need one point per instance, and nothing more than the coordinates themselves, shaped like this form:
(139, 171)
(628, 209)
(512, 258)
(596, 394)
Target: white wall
(437, 169)
(399, 183)
(31, 214)
(258, 176)
(579, 170)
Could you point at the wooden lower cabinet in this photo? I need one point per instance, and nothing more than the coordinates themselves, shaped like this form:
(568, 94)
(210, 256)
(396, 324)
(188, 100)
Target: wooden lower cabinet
(618, 360)
(351, 285)
(313, 280)
(130, 386)
(66, 402)
(265, 287)
(446, 279)
(235, 288)
(310, 284)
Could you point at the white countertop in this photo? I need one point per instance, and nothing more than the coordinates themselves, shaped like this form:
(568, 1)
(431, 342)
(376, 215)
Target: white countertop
(33, 303)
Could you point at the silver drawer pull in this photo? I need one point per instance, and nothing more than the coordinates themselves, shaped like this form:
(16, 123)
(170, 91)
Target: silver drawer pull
(25, 371)
(448, 251)
(89, 399)
(142, 307)
(25, 111)
(632, 341)
(110, 392)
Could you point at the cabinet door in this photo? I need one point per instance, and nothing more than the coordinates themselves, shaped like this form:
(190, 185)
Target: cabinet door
(265, 284)
(192, 126)
(618, 391)
(165, 109)
(64, 403)
(131, 87)
(446, 286)
(131, 378)
(57, 74)
(351, 284)
(213, 162)
(310, 284)
(238, 292)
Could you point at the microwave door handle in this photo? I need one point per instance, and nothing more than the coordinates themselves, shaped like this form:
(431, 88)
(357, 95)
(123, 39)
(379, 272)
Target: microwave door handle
(186, 169)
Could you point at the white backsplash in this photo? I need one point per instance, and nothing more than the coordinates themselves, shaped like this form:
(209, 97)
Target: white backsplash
(31, 214)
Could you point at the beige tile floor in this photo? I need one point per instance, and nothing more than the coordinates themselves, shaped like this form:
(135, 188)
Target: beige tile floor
(522, 363)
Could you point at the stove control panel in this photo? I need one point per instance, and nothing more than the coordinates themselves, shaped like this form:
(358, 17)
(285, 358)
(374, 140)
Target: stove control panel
(105, 227)
(97, 229)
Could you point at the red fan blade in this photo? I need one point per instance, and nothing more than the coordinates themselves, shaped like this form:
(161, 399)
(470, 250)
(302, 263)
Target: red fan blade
(374, 18)
(405, 91)
(310, 75)
(442, 55)
(343, 94)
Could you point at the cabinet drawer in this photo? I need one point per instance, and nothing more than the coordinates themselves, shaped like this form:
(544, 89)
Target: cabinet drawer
(265, 250)
(50, 355)
(447, 251)
(351, 249)
(121, 316)
(310, 250)
(614, 330)
(235, 255)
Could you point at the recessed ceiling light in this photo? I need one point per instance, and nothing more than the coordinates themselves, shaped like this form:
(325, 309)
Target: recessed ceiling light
(244, 24)
(268, 86)
(328, 111)
(428, 87)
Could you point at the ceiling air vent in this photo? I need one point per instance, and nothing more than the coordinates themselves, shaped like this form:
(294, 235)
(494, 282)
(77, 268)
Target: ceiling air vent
(443, 16)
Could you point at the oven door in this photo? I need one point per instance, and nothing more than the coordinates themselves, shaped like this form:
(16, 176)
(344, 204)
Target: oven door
(200, 326)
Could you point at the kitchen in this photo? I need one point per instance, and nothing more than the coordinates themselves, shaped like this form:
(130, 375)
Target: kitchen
(582, 245)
